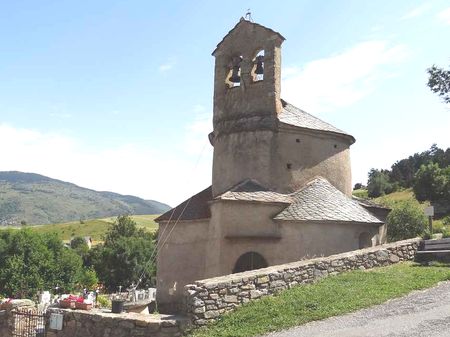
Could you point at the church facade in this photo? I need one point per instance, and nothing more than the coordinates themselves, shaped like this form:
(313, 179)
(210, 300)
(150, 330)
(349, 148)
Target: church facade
(281, 184)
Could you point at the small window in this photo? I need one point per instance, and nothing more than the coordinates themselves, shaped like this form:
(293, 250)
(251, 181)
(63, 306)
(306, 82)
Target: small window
(335, 146)
(258, 67)
(233, 78)
(288, 166)
(297, 140)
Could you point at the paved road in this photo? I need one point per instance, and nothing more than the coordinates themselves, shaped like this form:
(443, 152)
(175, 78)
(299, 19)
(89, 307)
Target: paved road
(420, 314)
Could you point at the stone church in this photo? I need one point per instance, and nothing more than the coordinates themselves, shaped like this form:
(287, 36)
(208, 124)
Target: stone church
(281, 183)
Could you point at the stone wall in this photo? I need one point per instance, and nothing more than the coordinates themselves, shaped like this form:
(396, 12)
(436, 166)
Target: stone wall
(6, 316)
(207, 299)
(5, 331)
(78, 323)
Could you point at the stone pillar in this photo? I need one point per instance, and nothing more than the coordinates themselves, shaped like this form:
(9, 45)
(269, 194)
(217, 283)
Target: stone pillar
(7, 318)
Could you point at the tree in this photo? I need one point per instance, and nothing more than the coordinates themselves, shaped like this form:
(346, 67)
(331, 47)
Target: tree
(88, 279)
(31, 262)
(430, 183)
(358, 186)
(405, 221)
(79, 245)
(125, 255)
(439, 82)
(378, 183)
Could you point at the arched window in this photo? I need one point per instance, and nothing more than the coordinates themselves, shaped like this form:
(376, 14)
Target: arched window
(233, 78)
(365, 240)
(258, 67)
(249, 261)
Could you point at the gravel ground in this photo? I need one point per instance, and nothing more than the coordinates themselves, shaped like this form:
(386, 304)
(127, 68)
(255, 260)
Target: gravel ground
(423, 313)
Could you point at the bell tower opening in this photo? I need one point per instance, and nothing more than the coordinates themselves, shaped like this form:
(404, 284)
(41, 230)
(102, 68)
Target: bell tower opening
(258, 67)
(233, 78)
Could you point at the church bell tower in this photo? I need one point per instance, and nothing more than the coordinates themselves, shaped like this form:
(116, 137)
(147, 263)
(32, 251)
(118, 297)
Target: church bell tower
(246, 104)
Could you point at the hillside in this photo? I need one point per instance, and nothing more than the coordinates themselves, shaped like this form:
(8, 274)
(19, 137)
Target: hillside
(95, 228)
(37, 199)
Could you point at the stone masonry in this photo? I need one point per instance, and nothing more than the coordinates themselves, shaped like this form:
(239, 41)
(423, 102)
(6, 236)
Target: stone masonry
(6, 317)
(208, 299)
(5, 331)
(78, 323)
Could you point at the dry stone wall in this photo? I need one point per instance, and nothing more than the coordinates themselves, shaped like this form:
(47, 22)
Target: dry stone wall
(79, 323)
(207, 299)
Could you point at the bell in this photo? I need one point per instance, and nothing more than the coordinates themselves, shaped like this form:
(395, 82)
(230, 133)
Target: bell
(235, 78)
(259, 65)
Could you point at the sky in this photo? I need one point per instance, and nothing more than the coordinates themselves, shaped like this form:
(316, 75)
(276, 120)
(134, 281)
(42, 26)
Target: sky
(117, 95)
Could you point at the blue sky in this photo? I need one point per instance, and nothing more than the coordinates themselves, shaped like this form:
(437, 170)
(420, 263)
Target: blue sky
(117, 95)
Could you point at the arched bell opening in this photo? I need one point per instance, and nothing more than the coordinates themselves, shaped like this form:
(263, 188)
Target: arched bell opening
(249, 261)
(365, 240)
(258, 66)
(233, 78)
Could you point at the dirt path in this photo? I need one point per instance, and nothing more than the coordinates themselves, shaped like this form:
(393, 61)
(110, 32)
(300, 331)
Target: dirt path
(420, 314)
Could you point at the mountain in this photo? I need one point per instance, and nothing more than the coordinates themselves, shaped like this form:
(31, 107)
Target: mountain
(37, 199)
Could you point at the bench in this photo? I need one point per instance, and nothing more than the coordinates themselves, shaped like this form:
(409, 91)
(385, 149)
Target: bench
(434, 248)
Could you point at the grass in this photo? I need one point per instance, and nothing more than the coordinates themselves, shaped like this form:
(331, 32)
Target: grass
(396, 197)
(95, 228)
(331, 296)
(361, 193)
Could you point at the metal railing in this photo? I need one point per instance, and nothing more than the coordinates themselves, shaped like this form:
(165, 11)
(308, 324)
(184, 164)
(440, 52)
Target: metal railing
(28, 322)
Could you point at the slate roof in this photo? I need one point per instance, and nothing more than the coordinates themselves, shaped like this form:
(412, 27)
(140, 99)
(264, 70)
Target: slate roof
(321, 201)
(194, 208)
(317, 201)
(251, 190)
(294, 116)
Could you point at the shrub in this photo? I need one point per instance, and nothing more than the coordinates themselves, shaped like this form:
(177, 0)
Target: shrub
(361, 194)
(446, 220)
(438, 227)
(103, 301)
(426, 235)
(445, 232)
(406, 221)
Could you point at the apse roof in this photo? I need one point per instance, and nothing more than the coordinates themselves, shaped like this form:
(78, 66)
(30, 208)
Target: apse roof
(294, 116)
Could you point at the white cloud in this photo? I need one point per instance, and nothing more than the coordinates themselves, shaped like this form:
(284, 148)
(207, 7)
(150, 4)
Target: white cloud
(342, 79)
(168, 65)
(415, 12)
(129, 169)
(444, 16)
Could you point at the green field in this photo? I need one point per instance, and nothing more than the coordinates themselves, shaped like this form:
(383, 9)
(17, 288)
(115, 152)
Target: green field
(95, 228)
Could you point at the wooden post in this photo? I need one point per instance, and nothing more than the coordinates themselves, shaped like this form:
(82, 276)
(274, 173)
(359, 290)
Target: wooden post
(429, 211)
(430, 223)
